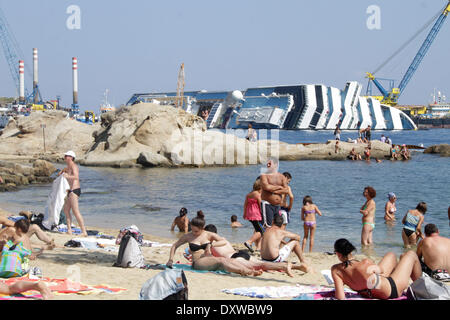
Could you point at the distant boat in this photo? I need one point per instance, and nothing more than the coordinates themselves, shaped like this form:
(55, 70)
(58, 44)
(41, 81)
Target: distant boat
(105, 106)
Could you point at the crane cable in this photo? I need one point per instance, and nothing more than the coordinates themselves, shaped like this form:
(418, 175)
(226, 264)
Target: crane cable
(408, 42)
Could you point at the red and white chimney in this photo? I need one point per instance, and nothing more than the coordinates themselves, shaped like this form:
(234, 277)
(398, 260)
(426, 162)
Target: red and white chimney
(75, 79)
(21, 82)
(35, 74)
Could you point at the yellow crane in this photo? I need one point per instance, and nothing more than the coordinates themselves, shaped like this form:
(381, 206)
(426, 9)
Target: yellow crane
(180, 88)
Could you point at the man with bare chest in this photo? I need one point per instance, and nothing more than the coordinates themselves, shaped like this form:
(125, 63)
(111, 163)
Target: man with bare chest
(71, 174)
(274, 186)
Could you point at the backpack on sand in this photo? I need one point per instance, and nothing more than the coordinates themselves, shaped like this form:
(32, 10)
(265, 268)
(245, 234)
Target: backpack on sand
(130, 254)
(170, 284)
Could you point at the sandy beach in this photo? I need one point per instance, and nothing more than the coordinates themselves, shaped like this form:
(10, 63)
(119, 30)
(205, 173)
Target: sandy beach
(96, 268)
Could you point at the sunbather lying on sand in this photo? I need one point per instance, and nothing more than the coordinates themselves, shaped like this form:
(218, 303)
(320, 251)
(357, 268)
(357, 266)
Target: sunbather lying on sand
(22, 286)
(201, 242)
(385, 280)
(227, 251)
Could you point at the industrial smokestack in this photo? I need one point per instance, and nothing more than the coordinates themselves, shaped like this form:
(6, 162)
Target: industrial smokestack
(35, 75)
(21, 82)
(75, 80)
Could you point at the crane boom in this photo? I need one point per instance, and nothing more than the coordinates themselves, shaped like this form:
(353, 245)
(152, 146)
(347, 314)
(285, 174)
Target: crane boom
(424, 49)
(10, 49)
(391, 97)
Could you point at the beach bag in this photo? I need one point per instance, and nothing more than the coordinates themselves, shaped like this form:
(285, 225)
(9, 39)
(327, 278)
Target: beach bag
(426, 288)
(170, 284)
(14, 260)
(130, 254)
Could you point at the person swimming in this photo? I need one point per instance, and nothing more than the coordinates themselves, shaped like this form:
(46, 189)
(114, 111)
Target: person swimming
(182, 221)
(234, 222)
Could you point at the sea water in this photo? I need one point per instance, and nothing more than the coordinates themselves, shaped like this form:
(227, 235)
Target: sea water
(151, 198)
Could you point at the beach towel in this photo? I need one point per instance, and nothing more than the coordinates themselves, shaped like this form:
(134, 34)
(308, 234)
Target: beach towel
(61, 287)
(30, 295)
(297, 292)
(55, 202)
(276, 292)
(330, 295)
(185, 267)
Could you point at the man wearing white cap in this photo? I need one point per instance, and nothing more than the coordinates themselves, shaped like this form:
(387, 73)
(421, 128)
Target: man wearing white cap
(71, 174)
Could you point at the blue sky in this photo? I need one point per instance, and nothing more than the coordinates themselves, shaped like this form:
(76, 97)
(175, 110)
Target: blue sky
(138, 46)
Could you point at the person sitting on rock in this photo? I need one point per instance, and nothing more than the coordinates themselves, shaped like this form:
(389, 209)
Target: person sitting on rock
(404, 152)
(353, 155)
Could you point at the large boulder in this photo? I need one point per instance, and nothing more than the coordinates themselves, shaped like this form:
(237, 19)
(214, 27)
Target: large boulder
(24, 135)
(42, 168)
(16, 174)
(157, 135)
(442, 149)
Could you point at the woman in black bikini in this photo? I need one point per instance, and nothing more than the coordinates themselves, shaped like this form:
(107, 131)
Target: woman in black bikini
(200, 244)
(385, 280)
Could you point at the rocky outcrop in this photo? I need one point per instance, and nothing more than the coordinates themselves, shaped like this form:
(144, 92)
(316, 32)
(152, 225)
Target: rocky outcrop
(14, 174)
(442, 149)
(24, 136)
(153, 135)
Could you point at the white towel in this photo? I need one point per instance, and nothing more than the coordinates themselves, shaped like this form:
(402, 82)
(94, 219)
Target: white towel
(327, 275)
(55, 202)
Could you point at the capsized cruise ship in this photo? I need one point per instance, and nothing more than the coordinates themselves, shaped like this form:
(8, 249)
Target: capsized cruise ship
(295, 107)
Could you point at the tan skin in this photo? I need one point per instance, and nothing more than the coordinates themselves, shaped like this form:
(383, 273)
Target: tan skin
(6, 222)
(290, 195)
(271, 241)
(412, 239)
(256, 237)
(309, 231)
(273, 185)
(227, 251)
(16, 236)
(182, 223)
(203, 259)
(23, 286)
(435, 251)
(389, 209)
(358, 274)
(71, 173)
(368, 215)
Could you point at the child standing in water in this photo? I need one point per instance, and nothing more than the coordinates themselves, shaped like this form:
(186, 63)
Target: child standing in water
(309, 211)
